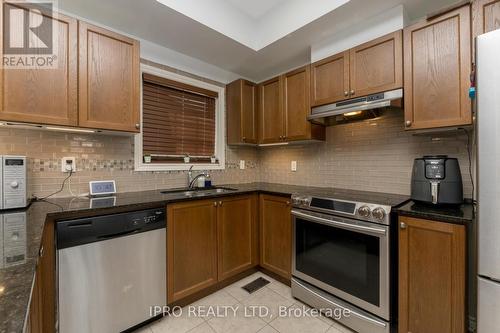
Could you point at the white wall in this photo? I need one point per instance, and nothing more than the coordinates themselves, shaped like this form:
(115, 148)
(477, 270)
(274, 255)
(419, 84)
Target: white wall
(375, 27)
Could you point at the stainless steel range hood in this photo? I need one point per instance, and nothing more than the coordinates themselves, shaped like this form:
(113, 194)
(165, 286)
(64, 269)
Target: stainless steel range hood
(370, 102)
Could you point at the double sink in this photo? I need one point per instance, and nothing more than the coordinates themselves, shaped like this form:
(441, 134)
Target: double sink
(199, 192)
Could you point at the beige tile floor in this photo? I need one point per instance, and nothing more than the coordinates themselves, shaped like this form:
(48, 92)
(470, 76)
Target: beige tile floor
(270, 297)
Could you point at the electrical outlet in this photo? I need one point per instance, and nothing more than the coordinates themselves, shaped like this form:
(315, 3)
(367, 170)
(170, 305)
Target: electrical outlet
(68, 164)
(242, 164)
(293, 166)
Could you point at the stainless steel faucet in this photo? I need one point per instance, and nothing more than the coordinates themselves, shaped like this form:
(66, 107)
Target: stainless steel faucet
(192, 180)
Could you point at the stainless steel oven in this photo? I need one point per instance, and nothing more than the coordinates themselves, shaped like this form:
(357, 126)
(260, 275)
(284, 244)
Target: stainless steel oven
(345, 257)
(342, 260)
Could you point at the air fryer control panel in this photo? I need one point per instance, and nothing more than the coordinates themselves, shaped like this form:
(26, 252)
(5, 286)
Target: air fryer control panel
(435, 169)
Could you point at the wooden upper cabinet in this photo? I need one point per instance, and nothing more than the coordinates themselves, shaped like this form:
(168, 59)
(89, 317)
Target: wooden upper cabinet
(296, 104)
(486, 16)
(238, 238)
(377, 66)
(109, 80)
(241, 112)
(191, 248)
(373, 67)
(432, 272)
(276, 235)
(270, 111)
(44, 96)
(284, 104)
(437, 65)
(330, 79)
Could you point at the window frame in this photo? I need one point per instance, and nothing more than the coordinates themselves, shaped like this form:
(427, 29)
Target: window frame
(220, 126)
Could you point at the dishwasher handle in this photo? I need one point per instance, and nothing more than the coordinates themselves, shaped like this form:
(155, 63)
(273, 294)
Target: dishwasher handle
(88, 230)
(120, 234)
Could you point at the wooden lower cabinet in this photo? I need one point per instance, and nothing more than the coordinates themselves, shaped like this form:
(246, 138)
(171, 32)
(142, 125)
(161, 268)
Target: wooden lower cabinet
(191, 248)
(209, 241)
(237, 230)
(42, 310)
(432, 272)
(276, 235)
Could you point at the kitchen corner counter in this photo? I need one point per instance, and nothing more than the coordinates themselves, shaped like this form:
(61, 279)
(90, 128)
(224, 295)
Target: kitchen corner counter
(17, 278)
(460, 214)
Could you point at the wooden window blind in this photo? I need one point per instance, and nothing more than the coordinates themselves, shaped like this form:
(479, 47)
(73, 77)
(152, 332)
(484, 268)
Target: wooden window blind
(178, 120)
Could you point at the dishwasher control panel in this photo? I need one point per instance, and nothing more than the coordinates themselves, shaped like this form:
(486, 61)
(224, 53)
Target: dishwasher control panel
(99, 228)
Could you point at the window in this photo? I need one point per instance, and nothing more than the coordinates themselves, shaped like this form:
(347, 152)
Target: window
(182, 123)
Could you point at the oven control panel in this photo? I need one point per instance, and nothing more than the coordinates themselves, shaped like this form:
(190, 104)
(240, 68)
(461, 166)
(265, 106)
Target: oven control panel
(362, 211)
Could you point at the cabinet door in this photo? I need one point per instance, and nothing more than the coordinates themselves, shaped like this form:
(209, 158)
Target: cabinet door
(35, 317)
(486, 16)
(296, 104)
(271, 111)
(248, 112)
(330, 79)
(191, 248)
(377, 66)
(431, 277)
(42, 306)
(47, 271)
(109, 80)
(276, 235)
(44, 96)
(241, 112)
(437, 65)
(237, 229)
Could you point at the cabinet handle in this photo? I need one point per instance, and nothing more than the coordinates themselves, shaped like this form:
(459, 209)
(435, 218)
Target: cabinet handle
(220, 203)
(244, 139)
(40, 253)
(352, 92)
(137, 126)
(408, 123)
(215, 203)
(288, 203)
(402, 225)
(346, 93)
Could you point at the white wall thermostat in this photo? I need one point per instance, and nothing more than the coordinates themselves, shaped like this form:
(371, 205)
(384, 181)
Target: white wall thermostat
(102, 187)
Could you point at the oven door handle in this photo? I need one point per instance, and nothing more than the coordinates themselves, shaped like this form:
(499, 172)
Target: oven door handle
(342, 225)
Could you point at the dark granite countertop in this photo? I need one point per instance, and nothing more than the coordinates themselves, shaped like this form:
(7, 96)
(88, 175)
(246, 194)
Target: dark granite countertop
(16, 277)
(461, 214)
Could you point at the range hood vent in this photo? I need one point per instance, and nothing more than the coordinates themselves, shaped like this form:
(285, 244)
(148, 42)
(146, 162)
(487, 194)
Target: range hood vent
(320, 114)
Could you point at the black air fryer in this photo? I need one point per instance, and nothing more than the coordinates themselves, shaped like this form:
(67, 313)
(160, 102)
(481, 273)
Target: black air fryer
(437, 180)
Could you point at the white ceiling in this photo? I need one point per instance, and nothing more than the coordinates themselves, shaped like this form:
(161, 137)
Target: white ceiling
(257, 25)
(162, 25)
(255, 8)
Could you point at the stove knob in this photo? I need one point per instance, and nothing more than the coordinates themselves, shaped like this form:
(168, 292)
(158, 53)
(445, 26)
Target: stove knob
(379, 213)
(305, 202)
(364, 211)
(295, 201)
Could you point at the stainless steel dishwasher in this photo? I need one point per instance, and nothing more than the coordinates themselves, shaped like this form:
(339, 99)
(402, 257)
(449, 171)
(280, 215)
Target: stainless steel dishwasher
(111, 270)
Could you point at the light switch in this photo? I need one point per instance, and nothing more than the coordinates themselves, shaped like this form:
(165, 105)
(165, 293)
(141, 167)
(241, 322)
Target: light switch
(294, 166)
(242, 164)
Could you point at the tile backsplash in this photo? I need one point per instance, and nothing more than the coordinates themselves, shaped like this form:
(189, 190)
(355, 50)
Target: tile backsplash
(373, 155)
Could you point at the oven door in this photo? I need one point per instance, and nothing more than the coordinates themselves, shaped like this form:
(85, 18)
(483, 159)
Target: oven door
(345, 257)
